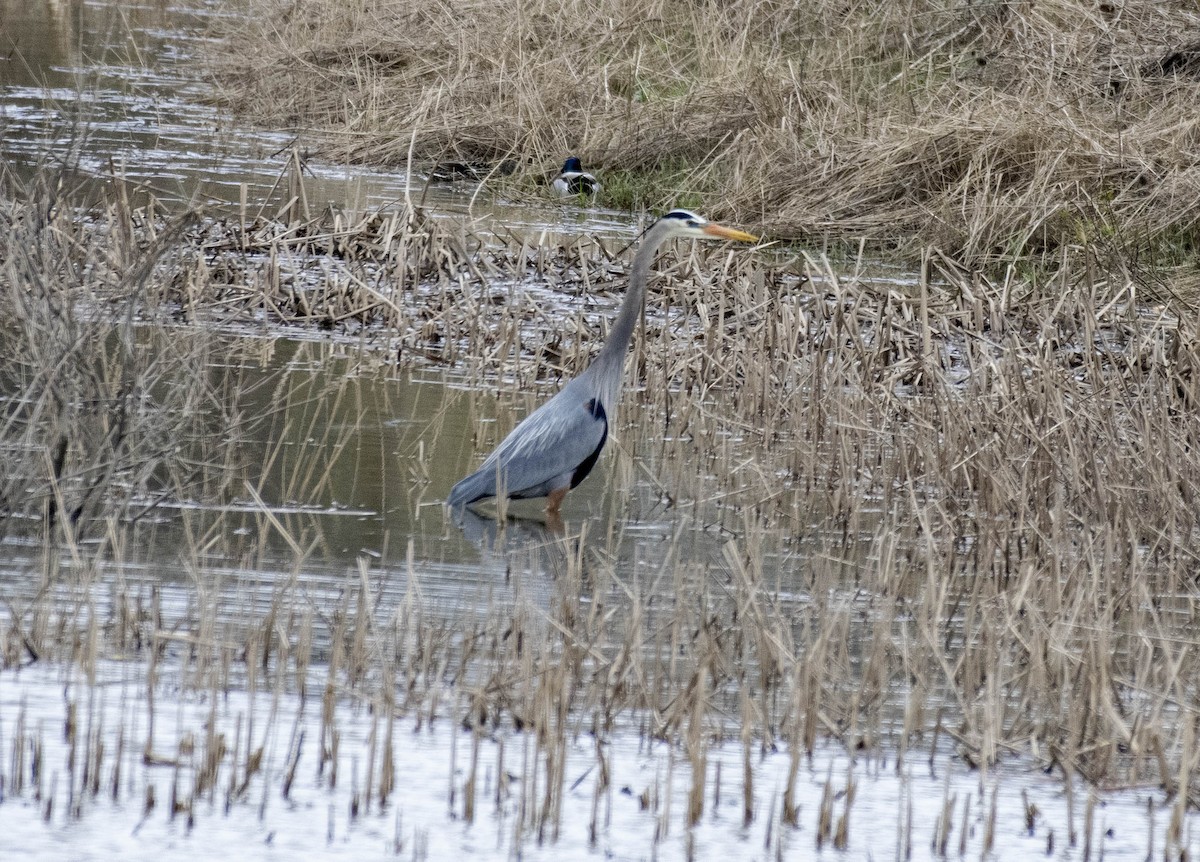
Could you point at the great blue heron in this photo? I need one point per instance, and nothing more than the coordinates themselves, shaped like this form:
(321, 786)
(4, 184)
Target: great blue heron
(556, 446)
(574, 181)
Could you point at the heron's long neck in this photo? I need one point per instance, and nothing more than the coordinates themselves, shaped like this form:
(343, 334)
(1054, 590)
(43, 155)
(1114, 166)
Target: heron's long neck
(610, 361)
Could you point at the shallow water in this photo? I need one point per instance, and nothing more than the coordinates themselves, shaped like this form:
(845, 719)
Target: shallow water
(111, 89)
(392, 443)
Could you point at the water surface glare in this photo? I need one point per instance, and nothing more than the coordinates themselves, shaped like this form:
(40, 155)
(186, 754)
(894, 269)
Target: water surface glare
(895, 815)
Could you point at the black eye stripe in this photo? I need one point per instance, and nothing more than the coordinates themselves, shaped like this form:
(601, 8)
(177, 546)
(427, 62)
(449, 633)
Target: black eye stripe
(687, 216)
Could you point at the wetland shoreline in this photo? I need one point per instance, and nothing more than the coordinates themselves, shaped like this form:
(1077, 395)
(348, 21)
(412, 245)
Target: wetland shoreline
(917, 552)
(1028, 135)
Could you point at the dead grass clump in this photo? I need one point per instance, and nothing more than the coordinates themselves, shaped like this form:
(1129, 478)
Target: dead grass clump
(332, 269)
(1013, 134)
(994, 133)
(460, 79)
(436, 289)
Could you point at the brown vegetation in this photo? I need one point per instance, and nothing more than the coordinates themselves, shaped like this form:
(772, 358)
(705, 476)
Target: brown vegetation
(949, 507)
(959, 507)
(993, 132)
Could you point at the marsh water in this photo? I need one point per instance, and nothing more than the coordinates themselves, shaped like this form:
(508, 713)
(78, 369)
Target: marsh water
(112, 90)
(109, 90)
(349, 463)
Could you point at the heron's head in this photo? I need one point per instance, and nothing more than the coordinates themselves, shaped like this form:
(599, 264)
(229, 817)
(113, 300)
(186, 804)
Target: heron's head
(687, 223)
(572, 166)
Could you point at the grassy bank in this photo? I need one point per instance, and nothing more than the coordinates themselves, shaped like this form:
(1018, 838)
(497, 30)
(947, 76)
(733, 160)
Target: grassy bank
(993, 132)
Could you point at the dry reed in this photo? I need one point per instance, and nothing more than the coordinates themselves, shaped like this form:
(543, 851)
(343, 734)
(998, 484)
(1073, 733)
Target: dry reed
(995, 133)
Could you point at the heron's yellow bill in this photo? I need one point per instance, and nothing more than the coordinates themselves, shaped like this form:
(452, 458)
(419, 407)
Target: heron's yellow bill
(719, 230)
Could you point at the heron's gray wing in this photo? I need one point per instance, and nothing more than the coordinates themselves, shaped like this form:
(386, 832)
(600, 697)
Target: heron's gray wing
(542, 453)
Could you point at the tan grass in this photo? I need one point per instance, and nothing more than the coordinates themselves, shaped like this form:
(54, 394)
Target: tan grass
(994, 133)
(99, 410)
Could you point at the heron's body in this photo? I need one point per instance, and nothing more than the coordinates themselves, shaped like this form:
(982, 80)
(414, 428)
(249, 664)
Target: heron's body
(557, 445)
(574, 180)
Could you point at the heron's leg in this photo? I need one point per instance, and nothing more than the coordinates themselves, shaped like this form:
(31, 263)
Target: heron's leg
(554, 500)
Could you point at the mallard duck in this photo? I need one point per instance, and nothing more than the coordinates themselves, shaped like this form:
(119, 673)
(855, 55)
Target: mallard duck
(573, 180)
